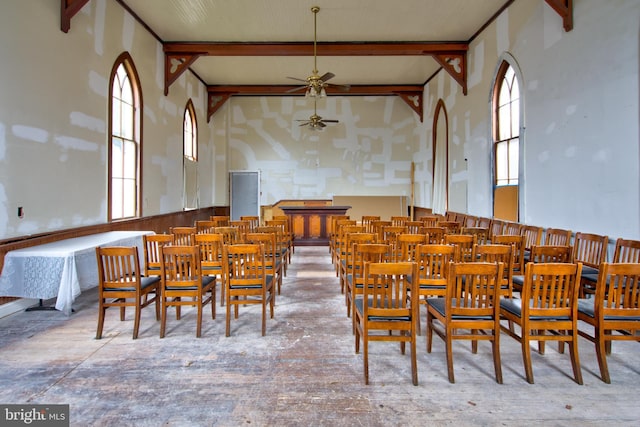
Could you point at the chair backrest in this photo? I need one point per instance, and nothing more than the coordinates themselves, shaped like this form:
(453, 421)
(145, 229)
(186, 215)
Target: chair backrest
(407, 246)
(484, 223)
(518, 248)
(590, 249)
(451, 227)
(481, 233)
(551, 289)
(627, 251)
(430, 220)
(230, 235)
(433, 263)
(512, 228)
(497, 253)
(387, 291)
(205, 226)
(464, 242)
(532, 236)
(369, 252)
(210, 245)
(557, 237)
(220, 220)
(497, 228)
(243, 227)
(270, 246)
(550, 253)
(245, 267)
(470, 221)
(254, 221)
(413, 227)
(390, 234)
(183, 235)
(180, 267)
(435, 235)
(377, 227)
(152, 258)
(367, 222)
(473, 289)
(399, 220)
(618, 292)
(118, 268)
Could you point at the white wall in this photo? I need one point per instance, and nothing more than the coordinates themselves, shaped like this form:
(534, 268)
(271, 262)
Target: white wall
(580, 94)
(53, 117)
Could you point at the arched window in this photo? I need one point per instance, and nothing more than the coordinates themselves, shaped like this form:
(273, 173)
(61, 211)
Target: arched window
(190, 132)
(190, 161)
(507, 126)
(124, 140)
(506, 105)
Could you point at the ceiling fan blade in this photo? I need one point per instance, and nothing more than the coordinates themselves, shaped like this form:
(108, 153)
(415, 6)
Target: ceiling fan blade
(306, 123)
(295, 89)
(330, 121)
(295, 78)
(327, 76)
(343, 88)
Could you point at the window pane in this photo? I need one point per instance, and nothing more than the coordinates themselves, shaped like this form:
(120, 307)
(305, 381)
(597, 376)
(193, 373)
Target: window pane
(504, 121)
(116, 198)
(130, 160)
(515, 119)
(513, 160)
(127, 92)
(116, 124)
(502, 171)
(504, 97)
(127, 121)
(116, 158)
(129, 199)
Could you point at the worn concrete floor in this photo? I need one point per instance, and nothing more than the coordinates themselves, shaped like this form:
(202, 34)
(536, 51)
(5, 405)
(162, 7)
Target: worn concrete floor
(304, 372)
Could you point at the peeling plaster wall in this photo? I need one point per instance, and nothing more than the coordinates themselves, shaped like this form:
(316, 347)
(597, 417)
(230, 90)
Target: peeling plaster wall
(368, 153)
(581, 112)
(53, 117)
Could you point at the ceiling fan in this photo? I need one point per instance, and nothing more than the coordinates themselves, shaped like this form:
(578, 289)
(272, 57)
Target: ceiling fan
(315, 122)
(315, 84)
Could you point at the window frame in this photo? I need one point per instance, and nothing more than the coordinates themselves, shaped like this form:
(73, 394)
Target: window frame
(513, 139)
(126, 62)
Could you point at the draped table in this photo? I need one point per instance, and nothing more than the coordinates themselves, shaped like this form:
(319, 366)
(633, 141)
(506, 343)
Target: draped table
(61, 269)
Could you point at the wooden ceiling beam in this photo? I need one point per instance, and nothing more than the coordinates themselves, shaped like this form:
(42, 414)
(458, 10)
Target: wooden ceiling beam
(412, 95)
(450, 55)
(564, 8)
(68, 9)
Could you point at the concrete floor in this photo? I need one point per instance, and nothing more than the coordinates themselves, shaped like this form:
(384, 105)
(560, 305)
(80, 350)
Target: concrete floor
(304, 372)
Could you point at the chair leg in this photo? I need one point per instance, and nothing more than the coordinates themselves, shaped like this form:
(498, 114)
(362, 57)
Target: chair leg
(199, 318)
(365, 352)
(122, 310)
(575, 358)
(101, 313)
(449, 345)
(228, 317)
(264, 317)
(429, 331)
(136, 321)
(163, 321)
(496, 355)
(526, 358)
(414, 362)
(601, 352)
(157, 302)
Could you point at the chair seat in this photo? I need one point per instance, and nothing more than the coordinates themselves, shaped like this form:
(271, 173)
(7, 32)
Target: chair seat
(268, 279)
(518, 280)
(439, 304)
(359, 303)
(586, 306)
(589, 270)
(206, 280)
(590, 277)
(145, 282)
(514, 306)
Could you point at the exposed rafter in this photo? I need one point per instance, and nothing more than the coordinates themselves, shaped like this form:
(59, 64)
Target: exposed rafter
(412, 95)
(452, 56)
(68, 9)
(565, 10)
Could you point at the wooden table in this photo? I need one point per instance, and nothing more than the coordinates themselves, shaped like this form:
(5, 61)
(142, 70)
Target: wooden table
(310, 224)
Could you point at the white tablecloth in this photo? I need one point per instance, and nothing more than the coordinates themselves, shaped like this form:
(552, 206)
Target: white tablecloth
(63, 268)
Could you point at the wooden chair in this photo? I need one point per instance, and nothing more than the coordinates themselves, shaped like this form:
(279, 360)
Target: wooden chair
(430, 220)
(254, 221)
(362, 253)
(205, 226)
(512, 228)
(627, 251)
(183, 236)
(413, 227)
(387, 311)
(484, 223)
(211, 260)
(346, 265)
(183, 284)
(470, 221)
(435, 235)
(282, 243)
(464, 242)
(496, 229)
(498, 253)
(532, 237)
(230, 235)
(547, 311)
(367, 222)
(243, 227)
(399, 220)
(273, 263)
(469, 310)
(450, 227)
(333, 231)
(407, 246)
(390, 235)
(433, 262)
(247, 280)
(152, 259)
(337, 236)
(518, 249)
(613, 311)
(289, 231)
(285, 235)
(481, 233)
(377, 227)
(341, 244)
(544, 254)
(220, 220)
(557, 237)
(591, 250)
(120, 284)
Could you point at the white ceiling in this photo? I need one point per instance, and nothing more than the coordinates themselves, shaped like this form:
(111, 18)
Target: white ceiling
(259, 21)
